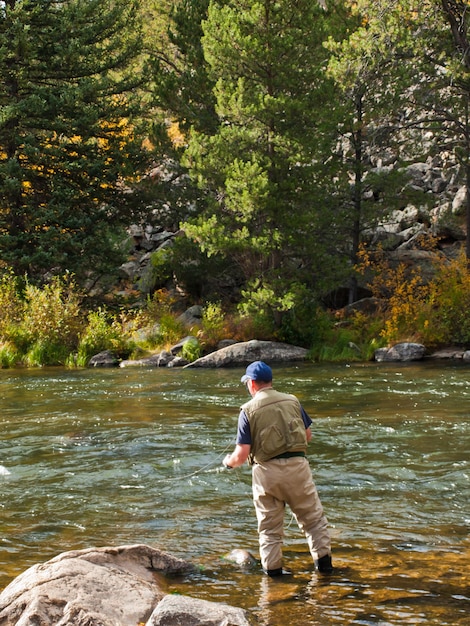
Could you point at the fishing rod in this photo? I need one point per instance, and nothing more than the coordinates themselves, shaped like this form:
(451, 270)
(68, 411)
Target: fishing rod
(198, 471)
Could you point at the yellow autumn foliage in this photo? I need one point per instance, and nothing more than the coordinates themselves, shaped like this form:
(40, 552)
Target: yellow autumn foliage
(433, 311)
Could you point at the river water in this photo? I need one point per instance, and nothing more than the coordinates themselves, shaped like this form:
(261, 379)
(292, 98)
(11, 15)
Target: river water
(112, 457)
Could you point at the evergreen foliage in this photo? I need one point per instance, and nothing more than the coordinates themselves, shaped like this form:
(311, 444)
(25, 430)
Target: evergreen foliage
(68, 140)
(182, 86)
(180, 95)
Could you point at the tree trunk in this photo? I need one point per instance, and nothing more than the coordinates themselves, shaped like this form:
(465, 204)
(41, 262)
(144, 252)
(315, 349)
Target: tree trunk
(358, 173)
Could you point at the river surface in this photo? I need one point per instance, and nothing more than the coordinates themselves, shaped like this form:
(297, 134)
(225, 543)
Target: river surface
(112, 457)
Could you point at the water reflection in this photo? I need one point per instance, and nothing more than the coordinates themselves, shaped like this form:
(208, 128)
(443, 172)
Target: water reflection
(118, 456)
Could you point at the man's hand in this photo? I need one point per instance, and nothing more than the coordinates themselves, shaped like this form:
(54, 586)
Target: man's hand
(225, 462)
(238, 456)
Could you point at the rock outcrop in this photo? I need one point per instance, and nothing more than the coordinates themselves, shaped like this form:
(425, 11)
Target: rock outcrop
(437, 210)
(452, 353)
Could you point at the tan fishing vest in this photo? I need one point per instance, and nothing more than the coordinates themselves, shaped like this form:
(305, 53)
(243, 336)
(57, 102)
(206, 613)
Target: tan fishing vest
(276, 425)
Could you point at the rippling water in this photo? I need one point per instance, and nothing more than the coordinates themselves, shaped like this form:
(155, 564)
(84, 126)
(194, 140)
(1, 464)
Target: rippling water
(110, 457)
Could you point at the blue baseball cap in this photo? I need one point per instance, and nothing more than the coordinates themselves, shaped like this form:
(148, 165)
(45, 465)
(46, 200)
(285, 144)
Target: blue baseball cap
(259, 371)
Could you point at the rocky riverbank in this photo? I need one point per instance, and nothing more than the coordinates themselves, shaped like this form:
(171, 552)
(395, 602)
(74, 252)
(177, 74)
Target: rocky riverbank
(241, 353)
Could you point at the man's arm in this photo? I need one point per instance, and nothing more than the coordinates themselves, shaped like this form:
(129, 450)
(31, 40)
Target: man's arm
(238, 456)
(243, 445)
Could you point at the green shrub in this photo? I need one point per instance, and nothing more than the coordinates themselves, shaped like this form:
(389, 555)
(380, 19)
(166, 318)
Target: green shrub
(306, 324)
(286, 310)
(268, 299)
(17, 336)
(52, 315)
(40, 325)
(191, 350)
(367, 333)
(11, 304)
(159, 315)
(340, 346)
(170, 330)
(339, 339)
(161, 303)
(213, 324)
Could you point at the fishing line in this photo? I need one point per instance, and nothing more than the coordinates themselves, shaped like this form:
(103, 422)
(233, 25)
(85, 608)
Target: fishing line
(199, 471)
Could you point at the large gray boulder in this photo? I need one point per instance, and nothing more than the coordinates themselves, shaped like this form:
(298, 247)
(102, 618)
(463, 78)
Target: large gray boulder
(93, 587)
(406, 351)
(245, 352)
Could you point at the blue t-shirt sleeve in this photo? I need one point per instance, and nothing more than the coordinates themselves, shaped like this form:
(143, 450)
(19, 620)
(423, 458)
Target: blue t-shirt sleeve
(244, 431)
(306, 418)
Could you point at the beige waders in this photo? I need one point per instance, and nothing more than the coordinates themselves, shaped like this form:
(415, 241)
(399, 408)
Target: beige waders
(282, 481)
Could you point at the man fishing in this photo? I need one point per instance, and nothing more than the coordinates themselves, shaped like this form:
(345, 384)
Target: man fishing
(273, 432)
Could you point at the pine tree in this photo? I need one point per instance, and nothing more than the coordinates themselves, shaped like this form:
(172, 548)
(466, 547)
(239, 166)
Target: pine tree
(182, 87)
(267, 62)
(69, 146)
